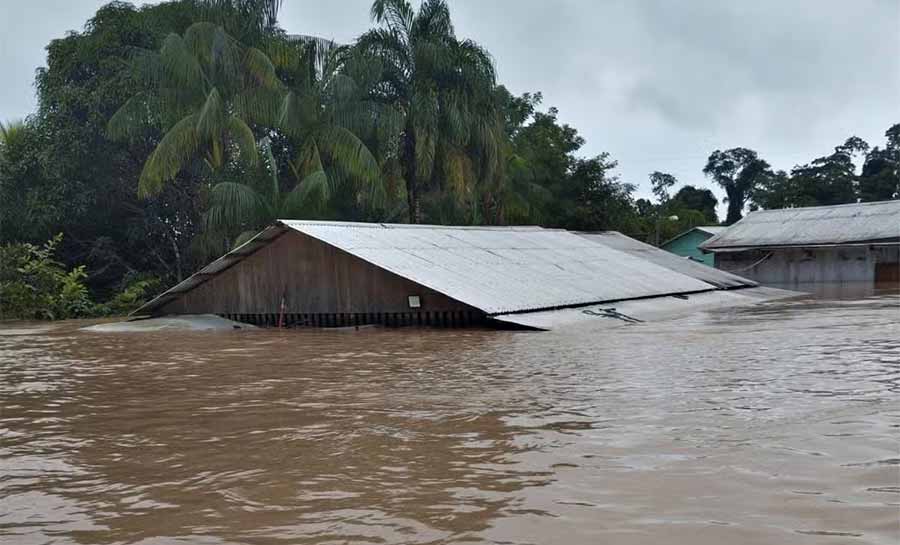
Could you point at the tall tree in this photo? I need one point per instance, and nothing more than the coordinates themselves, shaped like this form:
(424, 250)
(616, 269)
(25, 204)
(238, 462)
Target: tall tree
(737, 171)
(20, 184)
(880, 178)
(661, 183)
(83, 184)
(775, 190)
(325, 110)
(831, 179)
(702, 200)
(443, 88)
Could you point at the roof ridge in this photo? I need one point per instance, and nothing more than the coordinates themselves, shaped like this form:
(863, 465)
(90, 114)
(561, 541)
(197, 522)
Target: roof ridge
(826, 206)
(370, 225)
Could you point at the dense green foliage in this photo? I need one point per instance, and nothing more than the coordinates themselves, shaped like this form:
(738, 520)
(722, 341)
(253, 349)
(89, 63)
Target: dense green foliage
(33, 285)
(166, 134)
(832, 179)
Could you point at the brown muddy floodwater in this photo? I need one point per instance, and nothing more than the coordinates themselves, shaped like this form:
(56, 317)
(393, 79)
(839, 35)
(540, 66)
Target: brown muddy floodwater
(773, 424)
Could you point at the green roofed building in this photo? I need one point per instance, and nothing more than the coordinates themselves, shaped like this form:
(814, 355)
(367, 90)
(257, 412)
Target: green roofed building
(687, 243)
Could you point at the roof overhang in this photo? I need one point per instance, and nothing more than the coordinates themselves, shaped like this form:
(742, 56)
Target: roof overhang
(723, 249)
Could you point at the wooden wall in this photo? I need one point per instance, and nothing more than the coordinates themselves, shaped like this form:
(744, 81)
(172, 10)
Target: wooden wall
(320, 284)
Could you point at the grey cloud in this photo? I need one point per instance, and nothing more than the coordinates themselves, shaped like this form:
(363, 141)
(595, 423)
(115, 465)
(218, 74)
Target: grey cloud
(658, 83)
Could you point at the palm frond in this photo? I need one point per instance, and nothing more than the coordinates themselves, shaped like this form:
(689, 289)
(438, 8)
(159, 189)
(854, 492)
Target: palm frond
(175, 149)
(235, 205)
(243, 138)
(180, 67)
(12, 132)
(313, 191)
(433, 21)
(212, 117)
(271, 166)
(261, 106)
(308, 160)
(130, 119)
(344, 147)
(243, 238)
(398, 15)
(260, 68)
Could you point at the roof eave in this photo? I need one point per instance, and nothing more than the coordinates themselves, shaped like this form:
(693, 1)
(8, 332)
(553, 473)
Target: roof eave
(746, 247)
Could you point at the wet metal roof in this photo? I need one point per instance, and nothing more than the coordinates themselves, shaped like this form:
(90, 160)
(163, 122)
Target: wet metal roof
(711, 229)
(813, 226)
(497, 270)
(683, 265)
(634, 312)
(501, 270)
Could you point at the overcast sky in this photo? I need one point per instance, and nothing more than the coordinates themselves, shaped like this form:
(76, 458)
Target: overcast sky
(658, 84)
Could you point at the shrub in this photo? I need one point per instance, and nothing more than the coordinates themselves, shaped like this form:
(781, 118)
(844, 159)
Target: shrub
(136, 292)
(33, 285)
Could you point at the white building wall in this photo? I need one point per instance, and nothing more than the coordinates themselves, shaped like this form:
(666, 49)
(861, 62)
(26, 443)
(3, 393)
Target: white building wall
(794, 266)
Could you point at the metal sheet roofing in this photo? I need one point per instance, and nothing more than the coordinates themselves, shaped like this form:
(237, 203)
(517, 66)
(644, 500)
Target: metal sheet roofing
(634, 312)
(813, 226)
(711, 229)
(683, 265)
(497, 270)
(500, 270)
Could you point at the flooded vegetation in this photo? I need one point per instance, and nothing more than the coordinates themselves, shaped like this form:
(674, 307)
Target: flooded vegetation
(769, 424)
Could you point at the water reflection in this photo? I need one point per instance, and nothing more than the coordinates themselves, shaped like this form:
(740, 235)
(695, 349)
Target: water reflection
(776, 423)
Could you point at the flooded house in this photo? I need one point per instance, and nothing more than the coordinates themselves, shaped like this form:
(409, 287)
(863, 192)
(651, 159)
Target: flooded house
(841, 244)
(687, 244)
(338, 274)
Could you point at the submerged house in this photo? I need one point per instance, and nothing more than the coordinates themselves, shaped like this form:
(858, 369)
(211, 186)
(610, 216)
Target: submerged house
(822, 244)
(346, 274)
(687, 244)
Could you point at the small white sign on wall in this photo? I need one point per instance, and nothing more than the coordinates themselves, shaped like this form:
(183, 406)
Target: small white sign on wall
(414, 301)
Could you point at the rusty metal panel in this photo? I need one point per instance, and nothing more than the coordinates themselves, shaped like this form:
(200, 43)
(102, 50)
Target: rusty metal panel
(817, 225)
(683, 265)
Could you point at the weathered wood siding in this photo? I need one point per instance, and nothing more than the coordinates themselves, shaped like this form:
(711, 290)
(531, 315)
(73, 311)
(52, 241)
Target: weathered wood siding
(314, 278)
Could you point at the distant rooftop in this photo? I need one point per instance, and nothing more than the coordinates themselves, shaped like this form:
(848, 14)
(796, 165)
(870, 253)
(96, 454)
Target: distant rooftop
(708, 229)
(711, 229)
(812, 226)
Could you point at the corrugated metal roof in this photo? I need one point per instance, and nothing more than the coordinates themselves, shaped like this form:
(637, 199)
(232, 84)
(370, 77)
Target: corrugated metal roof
(501, 270)
(813, 226)
(711, 229)
(497, 270)
(683, 265)
(634, 312)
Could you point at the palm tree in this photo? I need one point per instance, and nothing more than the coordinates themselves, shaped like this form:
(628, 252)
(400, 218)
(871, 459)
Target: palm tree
(10, 133)
(248, 20)
(443, 89)
(241, 208)
(323, 110)
(203, 89)
(737, 171)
